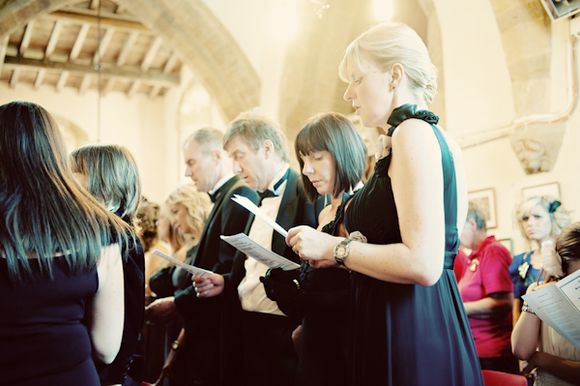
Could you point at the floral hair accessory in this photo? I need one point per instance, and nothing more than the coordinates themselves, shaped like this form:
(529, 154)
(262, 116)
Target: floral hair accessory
(552, 206)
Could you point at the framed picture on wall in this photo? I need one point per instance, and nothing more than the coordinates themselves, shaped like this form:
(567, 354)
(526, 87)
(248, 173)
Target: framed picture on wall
(558, 9)
(551, 189)
(508, 243)
(484, 199)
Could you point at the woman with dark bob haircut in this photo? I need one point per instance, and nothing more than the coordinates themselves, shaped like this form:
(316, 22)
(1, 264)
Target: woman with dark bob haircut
(332, 158)
(61, 278)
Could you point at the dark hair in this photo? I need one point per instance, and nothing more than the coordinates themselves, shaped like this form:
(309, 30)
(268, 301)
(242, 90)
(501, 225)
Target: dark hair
(43, 211)
(568, 245)
(336, 134)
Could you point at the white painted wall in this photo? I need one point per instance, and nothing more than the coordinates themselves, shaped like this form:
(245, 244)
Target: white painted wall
(145, 126)
(478, 92)
(478, 97)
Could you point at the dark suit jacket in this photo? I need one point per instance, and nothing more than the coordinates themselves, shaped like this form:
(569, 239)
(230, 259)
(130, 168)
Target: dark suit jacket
(294, 210)
(202, 316)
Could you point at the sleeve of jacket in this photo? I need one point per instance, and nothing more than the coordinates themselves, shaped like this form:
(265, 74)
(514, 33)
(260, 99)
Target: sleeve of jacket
(234, 220)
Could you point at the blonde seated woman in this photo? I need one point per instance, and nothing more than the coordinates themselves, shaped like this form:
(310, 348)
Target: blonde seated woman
(540, 219)
(181, 221)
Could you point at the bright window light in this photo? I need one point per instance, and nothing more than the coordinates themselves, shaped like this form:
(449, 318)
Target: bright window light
(383, 9)
(284, 20)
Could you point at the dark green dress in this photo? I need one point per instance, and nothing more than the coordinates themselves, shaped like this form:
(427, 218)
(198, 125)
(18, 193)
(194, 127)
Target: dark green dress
(408, 335)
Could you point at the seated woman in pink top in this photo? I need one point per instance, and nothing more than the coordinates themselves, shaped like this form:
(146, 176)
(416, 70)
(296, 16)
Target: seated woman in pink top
(487, 292)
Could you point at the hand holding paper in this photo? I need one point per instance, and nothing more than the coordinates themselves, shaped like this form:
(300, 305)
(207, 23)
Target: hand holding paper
(255, 250)
(189, 268)
(249, 205)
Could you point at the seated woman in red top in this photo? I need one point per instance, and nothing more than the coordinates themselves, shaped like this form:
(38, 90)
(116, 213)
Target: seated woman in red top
(487, 292)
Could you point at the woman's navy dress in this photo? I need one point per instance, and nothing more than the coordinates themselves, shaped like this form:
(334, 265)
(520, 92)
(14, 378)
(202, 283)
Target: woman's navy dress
(408, 335)
(44, 339)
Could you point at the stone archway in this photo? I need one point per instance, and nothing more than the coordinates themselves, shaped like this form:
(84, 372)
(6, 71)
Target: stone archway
(190, 28)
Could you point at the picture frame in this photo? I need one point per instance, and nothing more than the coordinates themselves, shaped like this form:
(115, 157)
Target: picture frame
(551, 189)
(484, 199)
(508, 243)
(559, 9)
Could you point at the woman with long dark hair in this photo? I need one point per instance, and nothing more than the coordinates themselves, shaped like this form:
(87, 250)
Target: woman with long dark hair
(61, 278)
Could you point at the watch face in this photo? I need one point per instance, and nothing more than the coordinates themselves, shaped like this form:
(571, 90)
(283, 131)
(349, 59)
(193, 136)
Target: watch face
(340, 250)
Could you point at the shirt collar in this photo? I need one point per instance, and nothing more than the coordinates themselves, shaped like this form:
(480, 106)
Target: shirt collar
(220, 183)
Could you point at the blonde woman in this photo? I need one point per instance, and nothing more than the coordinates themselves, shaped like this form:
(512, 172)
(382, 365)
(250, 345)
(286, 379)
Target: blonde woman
(181, 223)
(540, 219)
(408, 323)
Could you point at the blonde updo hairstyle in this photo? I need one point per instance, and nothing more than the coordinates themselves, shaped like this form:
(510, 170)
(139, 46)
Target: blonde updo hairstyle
(559, 216)
(386, 44)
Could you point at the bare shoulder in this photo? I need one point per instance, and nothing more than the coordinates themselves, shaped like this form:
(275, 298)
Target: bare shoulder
(416, 137)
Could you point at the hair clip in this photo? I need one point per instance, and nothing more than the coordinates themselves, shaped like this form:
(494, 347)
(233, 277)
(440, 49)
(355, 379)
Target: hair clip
(552, 206)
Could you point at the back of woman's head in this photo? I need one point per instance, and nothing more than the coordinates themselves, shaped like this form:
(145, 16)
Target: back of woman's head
(198, 206)
(559, 216)
(146, 219)
(112, 176)
(336, 134)
(386, 44)
(43, 212)
(568, 246)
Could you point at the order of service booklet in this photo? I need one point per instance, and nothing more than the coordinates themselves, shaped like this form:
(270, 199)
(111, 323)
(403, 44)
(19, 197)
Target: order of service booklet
(558, 305)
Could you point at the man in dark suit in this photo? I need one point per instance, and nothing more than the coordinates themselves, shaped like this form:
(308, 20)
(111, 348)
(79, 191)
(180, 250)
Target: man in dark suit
(210, 168)
(257, 334)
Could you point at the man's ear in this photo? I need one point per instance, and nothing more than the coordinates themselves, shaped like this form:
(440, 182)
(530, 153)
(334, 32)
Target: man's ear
(217, 154)
(268, 148)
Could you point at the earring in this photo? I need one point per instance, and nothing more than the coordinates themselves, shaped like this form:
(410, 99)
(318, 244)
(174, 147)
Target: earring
(392, 86)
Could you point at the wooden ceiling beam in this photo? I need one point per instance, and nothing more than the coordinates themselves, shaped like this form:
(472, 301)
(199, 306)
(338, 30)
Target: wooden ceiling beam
(170, 64)
(14, 77)
(154, 91)
(79, 41)
(107, 85)
(151, 52)
(106, 69)
(3, 49)
(62, 81)
(85, 83)
(106, 20)
(103, 45)
(131, 39)
(54, 35)
(39, 78)
(134, 87)
(94, 4)
(26, 38)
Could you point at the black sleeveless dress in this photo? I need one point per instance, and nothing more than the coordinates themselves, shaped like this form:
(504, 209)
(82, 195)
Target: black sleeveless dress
(408, 335)
(323, 359)
(44, 338)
